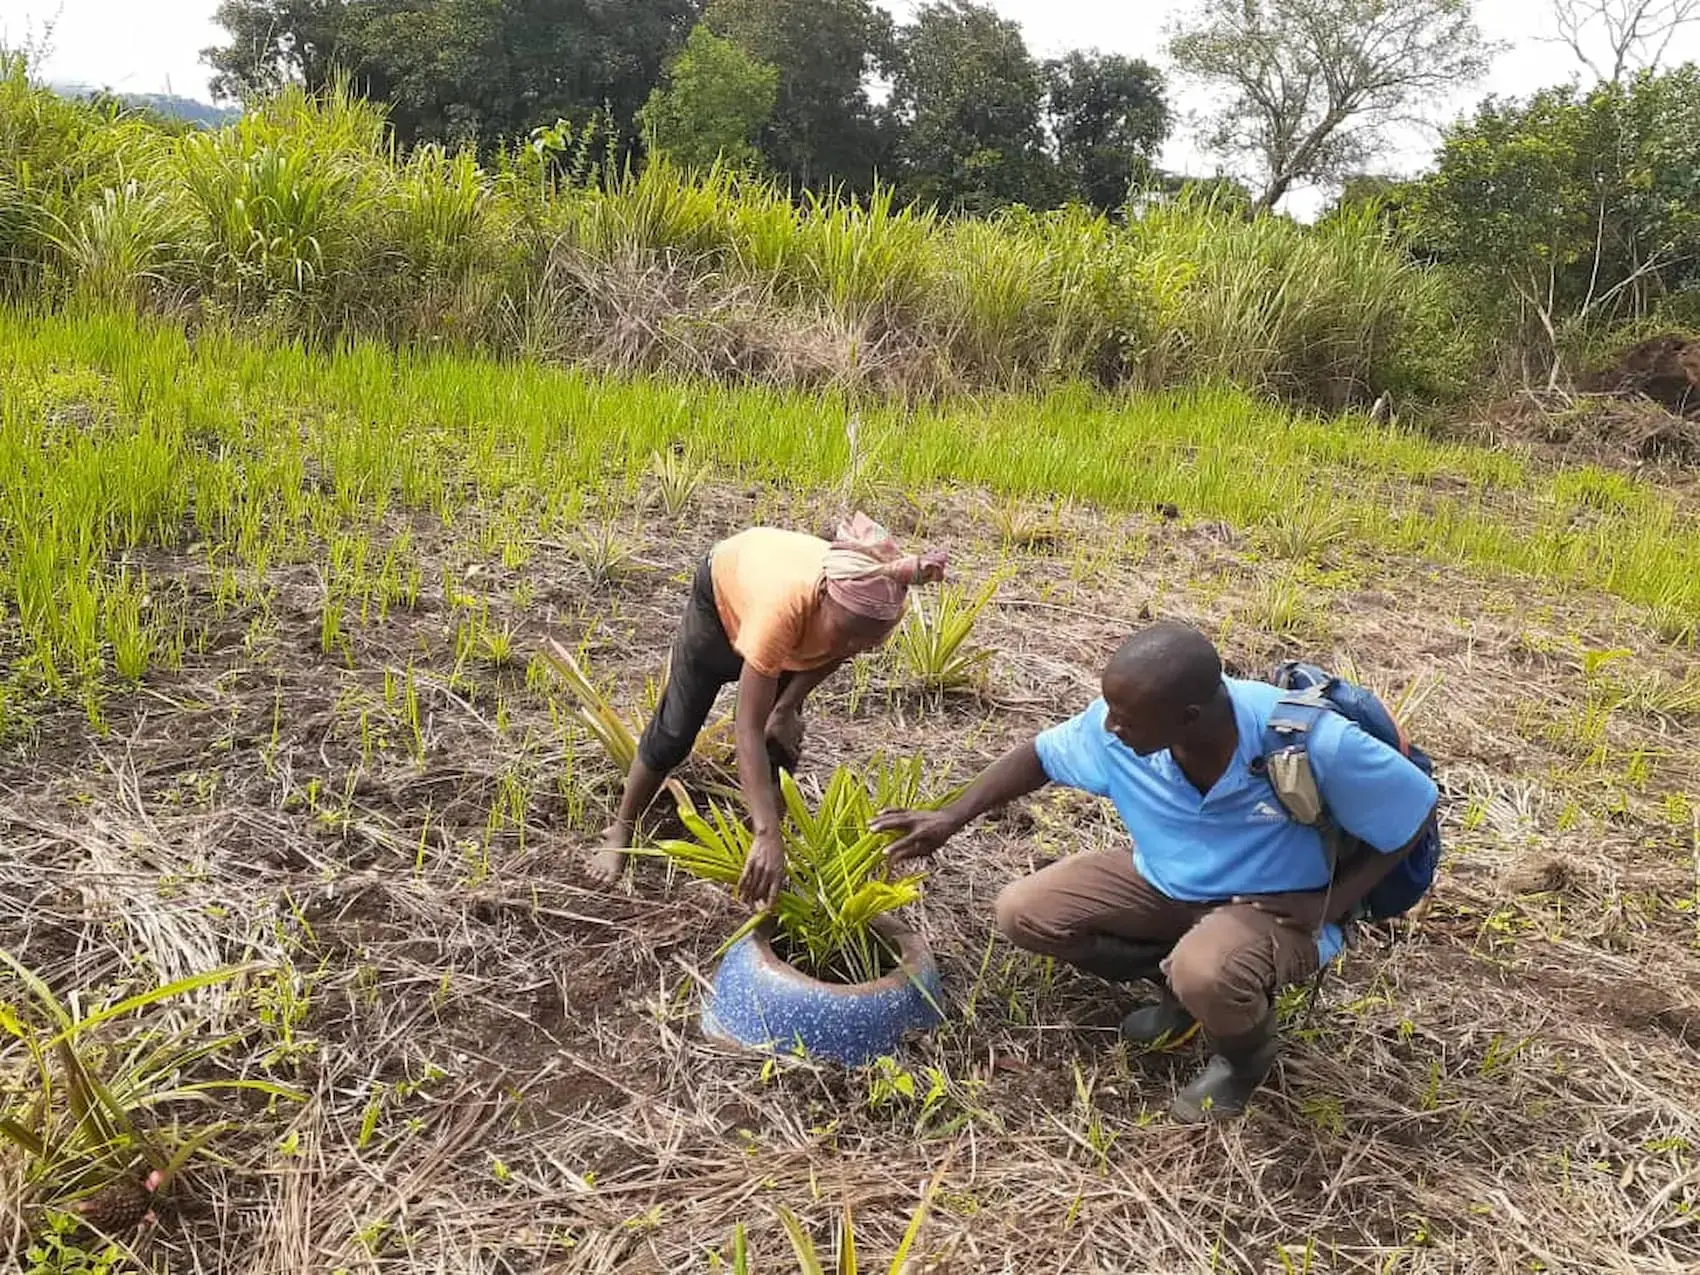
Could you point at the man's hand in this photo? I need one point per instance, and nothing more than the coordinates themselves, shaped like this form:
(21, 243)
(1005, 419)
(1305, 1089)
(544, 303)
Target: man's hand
(764, 872)
(785, 736)
(919, 834)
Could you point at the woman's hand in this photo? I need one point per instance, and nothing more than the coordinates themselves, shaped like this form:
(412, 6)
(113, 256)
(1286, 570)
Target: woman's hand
(764, 871)
(764, 868)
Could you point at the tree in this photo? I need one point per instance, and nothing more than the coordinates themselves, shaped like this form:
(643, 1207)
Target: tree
(1108, 118)
(273, 43)
(967, 96)
(1388, 200)
(1572, 210)
(1359, 191)
(1307, 84)
(824, 129)
(1636, 33)
(716, 99)
(459, 69)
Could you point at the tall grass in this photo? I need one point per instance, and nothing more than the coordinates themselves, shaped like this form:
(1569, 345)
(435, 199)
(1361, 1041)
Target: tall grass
(301, 217)
(118, 434)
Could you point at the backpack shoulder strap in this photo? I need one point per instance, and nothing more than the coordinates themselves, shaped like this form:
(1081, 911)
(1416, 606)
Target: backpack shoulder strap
(1285, 764)
(1286, 758)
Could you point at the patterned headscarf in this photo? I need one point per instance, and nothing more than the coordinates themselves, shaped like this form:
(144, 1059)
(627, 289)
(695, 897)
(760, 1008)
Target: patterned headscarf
(869, 575)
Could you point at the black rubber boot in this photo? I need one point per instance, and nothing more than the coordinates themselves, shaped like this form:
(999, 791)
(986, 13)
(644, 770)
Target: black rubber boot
(1121, 960)
(1234, 1072)
(1164, 1024)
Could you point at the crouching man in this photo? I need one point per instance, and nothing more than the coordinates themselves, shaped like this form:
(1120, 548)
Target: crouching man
(1225, 899)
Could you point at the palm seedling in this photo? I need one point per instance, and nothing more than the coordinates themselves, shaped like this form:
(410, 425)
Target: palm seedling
(603, 555)
(677, 477)
(1021, 526)
(836, 879)
(89, 1114)
(1309, 530)
(933, 645)
(596, 712)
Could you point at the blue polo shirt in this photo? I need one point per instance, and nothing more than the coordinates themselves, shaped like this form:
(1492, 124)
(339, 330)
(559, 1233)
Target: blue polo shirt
(1237, 839)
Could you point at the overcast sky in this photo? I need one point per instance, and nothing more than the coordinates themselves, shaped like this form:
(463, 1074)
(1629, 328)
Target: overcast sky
(108, 43)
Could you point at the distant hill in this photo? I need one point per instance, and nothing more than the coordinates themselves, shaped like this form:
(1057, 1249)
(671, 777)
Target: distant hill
(167, 104)
(182, 108)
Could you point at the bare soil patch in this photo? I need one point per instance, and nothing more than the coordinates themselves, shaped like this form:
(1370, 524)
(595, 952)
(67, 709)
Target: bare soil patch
(1664, 369)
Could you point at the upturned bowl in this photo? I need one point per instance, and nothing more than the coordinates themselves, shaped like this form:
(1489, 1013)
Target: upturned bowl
(763, 1003)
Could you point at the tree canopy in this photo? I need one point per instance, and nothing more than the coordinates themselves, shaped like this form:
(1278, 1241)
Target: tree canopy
(1572, 208)
(716, 100)
(973, 122)
(824, 130)
(1109, 119)
(968, 96)
(1305, 86)
(458, 70)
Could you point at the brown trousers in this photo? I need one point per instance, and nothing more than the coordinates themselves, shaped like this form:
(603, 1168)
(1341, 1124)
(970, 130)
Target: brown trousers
(1229, 959)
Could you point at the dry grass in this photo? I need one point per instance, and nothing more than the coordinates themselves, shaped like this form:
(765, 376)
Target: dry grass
(503, 1066)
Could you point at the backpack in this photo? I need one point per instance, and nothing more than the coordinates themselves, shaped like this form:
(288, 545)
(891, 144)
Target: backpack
(1285, 763)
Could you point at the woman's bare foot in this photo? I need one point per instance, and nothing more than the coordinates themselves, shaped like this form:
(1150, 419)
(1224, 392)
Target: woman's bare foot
(605, 867)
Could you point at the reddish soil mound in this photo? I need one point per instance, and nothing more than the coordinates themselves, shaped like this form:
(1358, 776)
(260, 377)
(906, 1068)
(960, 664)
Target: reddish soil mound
(1642, 408)
(1665, 369)
(1601, 428)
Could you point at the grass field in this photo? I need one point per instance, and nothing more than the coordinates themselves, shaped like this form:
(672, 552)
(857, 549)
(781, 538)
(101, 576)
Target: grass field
(269, 623)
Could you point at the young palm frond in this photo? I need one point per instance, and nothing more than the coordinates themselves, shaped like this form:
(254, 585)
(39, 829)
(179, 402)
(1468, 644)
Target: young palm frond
(836, 882)
(933, 643)
(596, 712)
(617, 733)
(98, 1108)
(810, 1259)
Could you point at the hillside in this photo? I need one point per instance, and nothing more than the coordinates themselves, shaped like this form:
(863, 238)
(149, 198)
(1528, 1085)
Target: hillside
(170, 105)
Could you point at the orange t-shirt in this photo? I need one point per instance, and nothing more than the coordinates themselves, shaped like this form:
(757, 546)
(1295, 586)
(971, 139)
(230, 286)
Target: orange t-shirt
(767, 589)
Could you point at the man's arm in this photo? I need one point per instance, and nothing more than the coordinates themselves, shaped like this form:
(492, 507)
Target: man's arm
(1362, 874)
(1378, 796)
(1012, 776)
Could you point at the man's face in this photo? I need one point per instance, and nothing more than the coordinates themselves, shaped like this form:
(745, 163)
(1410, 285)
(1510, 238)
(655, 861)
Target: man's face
(1137, 718)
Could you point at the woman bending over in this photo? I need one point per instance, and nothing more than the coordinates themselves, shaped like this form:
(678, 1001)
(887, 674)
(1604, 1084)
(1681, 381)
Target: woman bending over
(776, 612)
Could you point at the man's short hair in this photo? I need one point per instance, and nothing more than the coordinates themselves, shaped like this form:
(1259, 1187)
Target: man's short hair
(1171, 662)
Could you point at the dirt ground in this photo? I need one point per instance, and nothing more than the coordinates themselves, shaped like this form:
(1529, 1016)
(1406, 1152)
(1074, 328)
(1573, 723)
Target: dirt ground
(1640, 411)
(1508, 1083)
(1664, 368)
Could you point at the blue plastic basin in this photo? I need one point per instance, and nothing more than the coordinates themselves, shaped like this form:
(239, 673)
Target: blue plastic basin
(758, 1001)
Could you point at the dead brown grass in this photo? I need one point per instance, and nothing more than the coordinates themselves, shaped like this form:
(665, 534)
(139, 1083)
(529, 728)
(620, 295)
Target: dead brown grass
(655, 312)
(1510, 1084)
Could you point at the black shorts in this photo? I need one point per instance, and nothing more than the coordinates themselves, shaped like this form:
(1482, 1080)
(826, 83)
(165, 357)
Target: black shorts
(703, 662)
